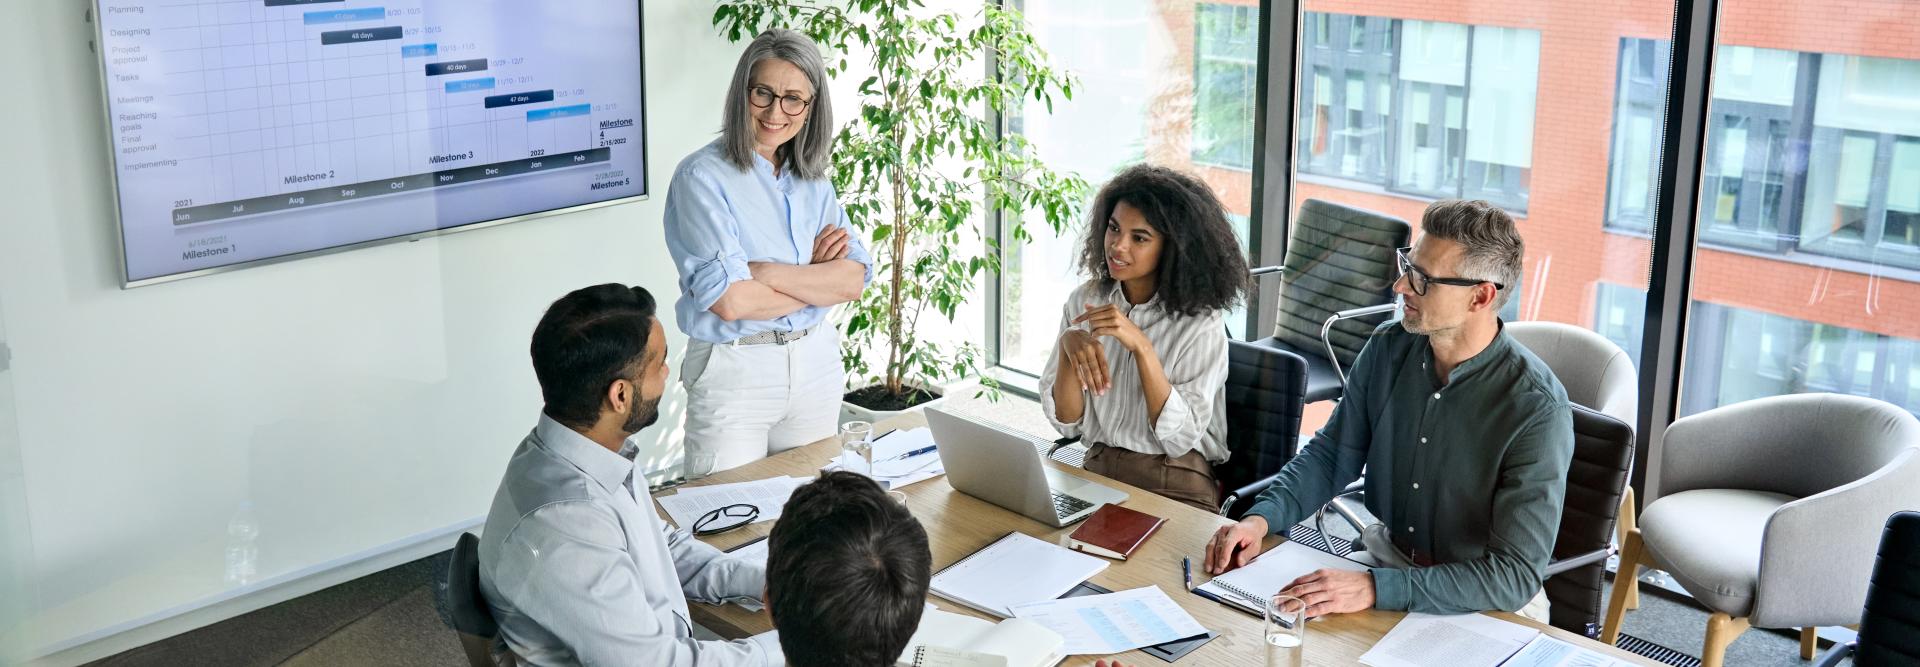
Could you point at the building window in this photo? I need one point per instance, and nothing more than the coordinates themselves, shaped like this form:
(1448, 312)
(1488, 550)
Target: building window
(1808, 152)
(1735, 355)
(1863, 185)
(1462, 101)
(1639, 101)
(1225, 59)
(1344, 112)
(1619, 313)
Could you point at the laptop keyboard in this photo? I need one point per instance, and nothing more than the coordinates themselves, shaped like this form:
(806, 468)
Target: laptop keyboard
(1065, 506)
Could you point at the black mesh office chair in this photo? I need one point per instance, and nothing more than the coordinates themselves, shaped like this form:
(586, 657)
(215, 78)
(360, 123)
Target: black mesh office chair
(1336, 287)
(1264, 389)
(1890, 623)
(1597, 479)
(467, 609)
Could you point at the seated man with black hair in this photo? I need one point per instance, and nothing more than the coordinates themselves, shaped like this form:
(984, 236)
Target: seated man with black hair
(575, 563)
(847, 572)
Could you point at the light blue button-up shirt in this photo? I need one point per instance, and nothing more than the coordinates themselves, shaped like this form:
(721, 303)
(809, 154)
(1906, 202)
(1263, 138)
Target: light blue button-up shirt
(719, 218)
(578, 568)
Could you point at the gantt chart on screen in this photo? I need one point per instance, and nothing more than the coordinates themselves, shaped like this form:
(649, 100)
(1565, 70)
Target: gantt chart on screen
(246, 130)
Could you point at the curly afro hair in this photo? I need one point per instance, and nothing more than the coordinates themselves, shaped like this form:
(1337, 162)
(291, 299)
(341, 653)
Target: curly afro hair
(1201, 266)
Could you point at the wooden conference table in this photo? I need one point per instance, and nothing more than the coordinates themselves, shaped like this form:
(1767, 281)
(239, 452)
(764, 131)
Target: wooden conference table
(958, 524)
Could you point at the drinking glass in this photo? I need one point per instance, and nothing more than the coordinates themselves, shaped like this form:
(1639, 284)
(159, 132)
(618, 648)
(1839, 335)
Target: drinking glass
(856, 447)
(1286, 631)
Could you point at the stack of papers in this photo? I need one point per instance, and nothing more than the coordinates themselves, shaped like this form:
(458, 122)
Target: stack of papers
(1546, 651)
(1114, 622)
(1468, 640)
(770, 495)
(892, 467)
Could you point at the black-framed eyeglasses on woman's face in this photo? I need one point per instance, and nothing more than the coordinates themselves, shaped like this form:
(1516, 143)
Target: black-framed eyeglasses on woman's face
(792, 105)
(1419, 281)
(723, 519)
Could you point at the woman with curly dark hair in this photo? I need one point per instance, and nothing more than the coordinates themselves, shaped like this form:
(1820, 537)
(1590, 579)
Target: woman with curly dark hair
(1139, 370)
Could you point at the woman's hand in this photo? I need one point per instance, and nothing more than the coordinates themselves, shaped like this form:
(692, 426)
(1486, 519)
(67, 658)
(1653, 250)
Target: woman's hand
(1083, 354)
(1109, 321)
(830, 244)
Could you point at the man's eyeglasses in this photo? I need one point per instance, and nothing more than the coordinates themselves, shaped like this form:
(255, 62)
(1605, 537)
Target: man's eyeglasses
(792, 105)
(1419, 281)
(723, 519)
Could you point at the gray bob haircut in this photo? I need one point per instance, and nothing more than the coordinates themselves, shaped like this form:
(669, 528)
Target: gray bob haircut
(1493, 243)
(809, 152)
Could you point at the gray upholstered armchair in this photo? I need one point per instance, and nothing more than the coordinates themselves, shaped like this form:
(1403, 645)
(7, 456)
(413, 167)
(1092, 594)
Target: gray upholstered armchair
(1768, 511)
(1596, 372)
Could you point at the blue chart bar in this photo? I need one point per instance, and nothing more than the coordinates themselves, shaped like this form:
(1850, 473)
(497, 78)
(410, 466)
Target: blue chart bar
(359, 35)
(470, 85)
(517, 99)
(419, 50)
(345, 15)
(559, 112)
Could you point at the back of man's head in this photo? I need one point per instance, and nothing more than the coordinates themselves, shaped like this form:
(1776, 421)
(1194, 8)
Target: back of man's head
(587, 340)
(847, 571)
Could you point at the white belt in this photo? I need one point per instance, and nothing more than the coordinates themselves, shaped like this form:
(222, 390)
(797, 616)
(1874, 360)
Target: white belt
(774, 337)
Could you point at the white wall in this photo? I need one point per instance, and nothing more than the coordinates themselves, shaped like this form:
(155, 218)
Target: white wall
(364, 402)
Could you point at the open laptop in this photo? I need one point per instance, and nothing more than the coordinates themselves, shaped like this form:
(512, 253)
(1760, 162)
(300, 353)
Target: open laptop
(1003, 467)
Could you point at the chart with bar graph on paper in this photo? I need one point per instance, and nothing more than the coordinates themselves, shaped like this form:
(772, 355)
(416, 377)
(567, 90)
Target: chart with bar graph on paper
(259, 129)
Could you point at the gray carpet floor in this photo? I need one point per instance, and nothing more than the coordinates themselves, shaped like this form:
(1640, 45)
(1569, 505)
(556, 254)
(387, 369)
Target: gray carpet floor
(389, 618)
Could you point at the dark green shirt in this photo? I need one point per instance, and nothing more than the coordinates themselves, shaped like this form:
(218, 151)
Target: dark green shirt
(1468, 476)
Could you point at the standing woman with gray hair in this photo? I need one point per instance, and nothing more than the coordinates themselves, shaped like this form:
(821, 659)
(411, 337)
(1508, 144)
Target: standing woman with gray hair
(764, 251)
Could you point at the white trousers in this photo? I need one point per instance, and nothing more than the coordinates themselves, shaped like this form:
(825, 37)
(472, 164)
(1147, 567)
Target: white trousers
(747, 402)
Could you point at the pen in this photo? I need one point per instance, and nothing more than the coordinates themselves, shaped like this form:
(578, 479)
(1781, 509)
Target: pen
(1186, 571)
(923, 450)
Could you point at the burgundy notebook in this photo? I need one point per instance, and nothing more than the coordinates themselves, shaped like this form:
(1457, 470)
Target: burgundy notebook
(1114, 531)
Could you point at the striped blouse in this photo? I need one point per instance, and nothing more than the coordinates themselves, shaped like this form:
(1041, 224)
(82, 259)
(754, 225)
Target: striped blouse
(1192, 350)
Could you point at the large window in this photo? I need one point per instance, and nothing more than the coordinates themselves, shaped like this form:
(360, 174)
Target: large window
(1434, 110)
(1171, 83)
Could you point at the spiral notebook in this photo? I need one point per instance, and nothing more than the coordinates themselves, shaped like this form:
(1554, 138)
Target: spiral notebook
(946, 639)
(1249, 587)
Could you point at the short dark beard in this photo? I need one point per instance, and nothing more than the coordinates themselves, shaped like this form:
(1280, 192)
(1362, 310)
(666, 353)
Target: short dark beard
(644, 414)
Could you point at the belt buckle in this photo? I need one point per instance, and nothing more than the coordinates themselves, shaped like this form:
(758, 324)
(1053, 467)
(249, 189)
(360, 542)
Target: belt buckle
(779, 338)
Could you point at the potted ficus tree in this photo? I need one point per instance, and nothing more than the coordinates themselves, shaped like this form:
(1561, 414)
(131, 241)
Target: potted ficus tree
(917, 165)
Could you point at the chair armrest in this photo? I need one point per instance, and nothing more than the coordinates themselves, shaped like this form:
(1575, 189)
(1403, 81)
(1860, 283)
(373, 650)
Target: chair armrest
(1817, 552)
(1835, 655)
(1259, 271)
(1251, 490)
(1057, 444)
(1343, 506)
(1326, 331)
(1577, 562)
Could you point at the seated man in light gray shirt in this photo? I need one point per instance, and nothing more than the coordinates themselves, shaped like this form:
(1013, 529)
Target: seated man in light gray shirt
(575, 563)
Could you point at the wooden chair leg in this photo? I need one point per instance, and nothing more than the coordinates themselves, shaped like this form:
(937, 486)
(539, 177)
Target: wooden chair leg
(1629, 521)
(1629, 571)
(1721, 631)
(1809, 641)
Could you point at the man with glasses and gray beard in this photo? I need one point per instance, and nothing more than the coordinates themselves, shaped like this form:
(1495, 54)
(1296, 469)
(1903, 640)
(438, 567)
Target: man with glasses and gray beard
(1464, 435)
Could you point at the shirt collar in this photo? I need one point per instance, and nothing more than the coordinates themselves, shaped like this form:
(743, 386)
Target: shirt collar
(1117, 295)
(1495, 350)
(609, 469)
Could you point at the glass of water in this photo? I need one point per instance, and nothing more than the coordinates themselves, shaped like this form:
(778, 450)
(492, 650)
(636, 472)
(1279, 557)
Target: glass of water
(856, 447)
(1286, 631)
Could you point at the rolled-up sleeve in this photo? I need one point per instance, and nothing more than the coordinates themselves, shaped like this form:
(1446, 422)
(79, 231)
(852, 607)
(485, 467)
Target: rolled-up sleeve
(580, 585)
(703, 236)
(1197, 369)
(1050, 374)
(836, 214)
